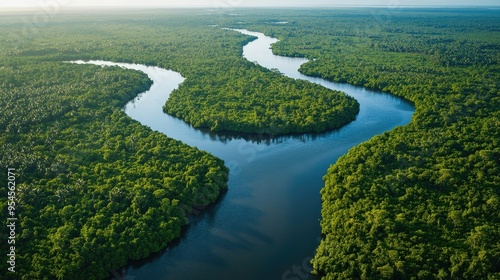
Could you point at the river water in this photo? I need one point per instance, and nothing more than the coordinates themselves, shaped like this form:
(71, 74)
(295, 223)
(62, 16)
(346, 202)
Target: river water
(267, 225)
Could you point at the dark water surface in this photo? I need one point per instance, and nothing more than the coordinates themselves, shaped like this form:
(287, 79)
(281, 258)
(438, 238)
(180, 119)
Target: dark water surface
(266, 226)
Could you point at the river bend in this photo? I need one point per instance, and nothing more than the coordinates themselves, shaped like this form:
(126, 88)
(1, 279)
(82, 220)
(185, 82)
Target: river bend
(266, 226)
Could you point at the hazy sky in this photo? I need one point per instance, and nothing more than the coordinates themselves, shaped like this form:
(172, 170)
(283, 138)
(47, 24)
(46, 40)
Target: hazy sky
(242, 3)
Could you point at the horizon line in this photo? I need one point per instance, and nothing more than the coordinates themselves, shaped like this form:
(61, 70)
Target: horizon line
(262, 6)
(93, 8)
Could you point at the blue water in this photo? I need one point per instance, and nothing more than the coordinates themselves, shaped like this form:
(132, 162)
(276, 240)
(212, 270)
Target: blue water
(266, 226)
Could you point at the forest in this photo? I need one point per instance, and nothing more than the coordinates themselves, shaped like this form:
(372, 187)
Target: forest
(421, 201)
(267, 104)
(97, 189)
(223, 91)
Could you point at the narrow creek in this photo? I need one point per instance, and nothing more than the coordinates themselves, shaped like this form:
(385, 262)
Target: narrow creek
(266, 226)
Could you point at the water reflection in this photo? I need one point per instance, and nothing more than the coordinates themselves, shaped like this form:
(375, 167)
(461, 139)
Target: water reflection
(265, 139)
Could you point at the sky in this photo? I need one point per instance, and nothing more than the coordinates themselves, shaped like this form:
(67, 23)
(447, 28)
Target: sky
(242, 3)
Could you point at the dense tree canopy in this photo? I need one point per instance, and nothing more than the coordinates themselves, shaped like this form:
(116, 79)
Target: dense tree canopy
(268, 103)
(422, 201)
(222, 92)
(97, 188)
(94, 187)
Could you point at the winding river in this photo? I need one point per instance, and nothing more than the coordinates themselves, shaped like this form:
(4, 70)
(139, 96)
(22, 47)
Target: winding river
(266, 226)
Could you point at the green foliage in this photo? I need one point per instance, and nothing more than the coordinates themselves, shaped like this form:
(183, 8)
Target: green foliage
(95, 188)
(222, 91)
(267, 103)
(421, 201)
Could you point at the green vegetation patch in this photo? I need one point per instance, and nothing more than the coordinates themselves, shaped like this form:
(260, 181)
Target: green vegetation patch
(421, 201)
(94, 188)
(244, 98)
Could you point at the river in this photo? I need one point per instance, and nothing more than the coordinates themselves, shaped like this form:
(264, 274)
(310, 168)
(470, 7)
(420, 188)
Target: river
(267, 225)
